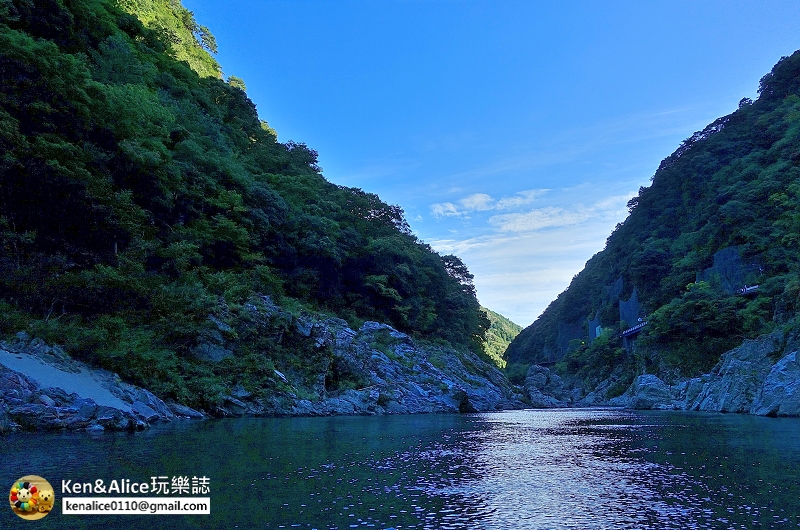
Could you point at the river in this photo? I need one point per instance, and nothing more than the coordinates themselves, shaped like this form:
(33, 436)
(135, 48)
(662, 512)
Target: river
(550, 469)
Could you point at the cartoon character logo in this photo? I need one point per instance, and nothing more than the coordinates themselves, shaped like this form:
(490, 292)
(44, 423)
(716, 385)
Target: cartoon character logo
(46, 498)
(31, 497)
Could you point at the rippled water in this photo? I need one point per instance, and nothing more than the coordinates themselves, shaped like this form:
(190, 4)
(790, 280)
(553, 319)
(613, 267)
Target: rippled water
(555, 469)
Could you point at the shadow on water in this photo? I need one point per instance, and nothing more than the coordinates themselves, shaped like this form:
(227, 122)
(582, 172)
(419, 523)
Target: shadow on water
(526, 469)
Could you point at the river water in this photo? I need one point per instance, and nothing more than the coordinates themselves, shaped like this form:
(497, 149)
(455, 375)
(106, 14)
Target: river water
(552, 469)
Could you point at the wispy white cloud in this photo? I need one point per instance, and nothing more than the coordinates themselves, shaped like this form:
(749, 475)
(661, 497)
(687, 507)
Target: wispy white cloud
(526, 259)
(478, 201)
(616, 204)
(520, 199)
(445, 209)
(460, 246)
(539, 218)
(482, 202)
(552, 216)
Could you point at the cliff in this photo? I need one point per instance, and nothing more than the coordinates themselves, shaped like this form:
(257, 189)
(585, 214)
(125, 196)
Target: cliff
(760, 377)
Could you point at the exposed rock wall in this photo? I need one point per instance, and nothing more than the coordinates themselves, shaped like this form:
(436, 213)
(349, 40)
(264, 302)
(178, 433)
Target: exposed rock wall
(760, 377)
(398, 375)
(43, 388)
(546, 389)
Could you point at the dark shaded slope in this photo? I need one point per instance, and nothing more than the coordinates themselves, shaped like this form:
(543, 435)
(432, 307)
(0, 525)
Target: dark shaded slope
(140, 193)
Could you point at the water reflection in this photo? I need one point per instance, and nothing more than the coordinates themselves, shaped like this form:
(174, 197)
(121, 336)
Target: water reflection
(557, 469)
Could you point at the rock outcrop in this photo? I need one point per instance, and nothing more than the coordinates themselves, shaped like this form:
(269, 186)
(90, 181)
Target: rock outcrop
(780, 392)
(375, 370)
(760, 377)
(737, 381)
(42, 388)
(646, 392)
(546, 389)
(379, 370)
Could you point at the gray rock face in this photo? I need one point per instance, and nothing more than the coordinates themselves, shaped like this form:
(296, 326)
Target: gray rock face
(646, 392)
(737, 379)
(597, 397)
(780, 393)
(43, 391)
(211, 352)
(182, 411)
(545, 389)
(746, 380)
(374, 370)
(379, 370)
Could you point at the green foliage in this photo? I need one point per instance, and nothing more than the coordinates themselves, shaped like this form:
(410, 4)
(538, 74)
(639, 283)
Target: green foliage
(516, 372)
(138, 190)
(499, 335)
(701, 315)
(733, 187)
(237, 82)
(178, 32)
(594, 362)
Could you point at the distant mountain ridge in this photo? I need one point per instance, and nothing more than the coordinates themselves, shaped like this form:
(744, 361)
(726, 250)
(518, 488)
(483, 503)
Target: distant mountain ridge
(722, 215)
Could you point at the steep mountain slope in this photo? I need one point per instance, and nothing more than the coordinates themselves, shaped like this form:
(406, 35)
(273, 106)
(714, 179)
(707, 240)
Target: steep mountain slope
(144, 204)
(722, 215)
(499, 335)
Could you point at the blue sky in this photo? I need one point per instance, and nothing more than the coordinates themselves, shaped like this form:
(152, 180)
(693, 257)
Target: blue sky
(512, 133)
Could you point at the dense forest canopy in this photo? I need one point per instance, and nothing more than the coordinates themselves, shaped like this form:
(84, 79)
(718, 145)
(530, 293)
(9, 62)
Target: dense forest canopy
(139, 190)
(722, 213)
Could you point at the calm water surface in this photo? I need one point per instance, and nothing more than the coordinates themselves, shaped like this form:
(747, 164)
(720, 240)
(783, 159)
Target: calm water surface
(554, 469)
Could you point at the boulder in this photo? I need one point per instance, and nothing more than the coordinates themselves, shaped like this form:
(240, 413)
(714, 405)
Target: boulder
(544, 388)
(214, 353)
(144, 412)
(304, 407)
(234, 407)
(303, 325)
(536, 378)
(649, 392)
(85, 409)
(541, 401)
(183, 411)
(340, 407)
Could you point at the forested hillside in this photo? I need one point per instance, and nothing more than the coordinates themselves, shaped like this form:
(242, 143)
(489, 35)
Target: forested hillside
(721, 216)
(499, 335)
(140, 193)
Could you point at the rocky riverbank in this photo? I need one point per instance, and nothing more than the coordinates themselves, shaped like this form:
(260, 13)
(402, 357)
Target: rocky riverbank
(42, 388)
(760, 377)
